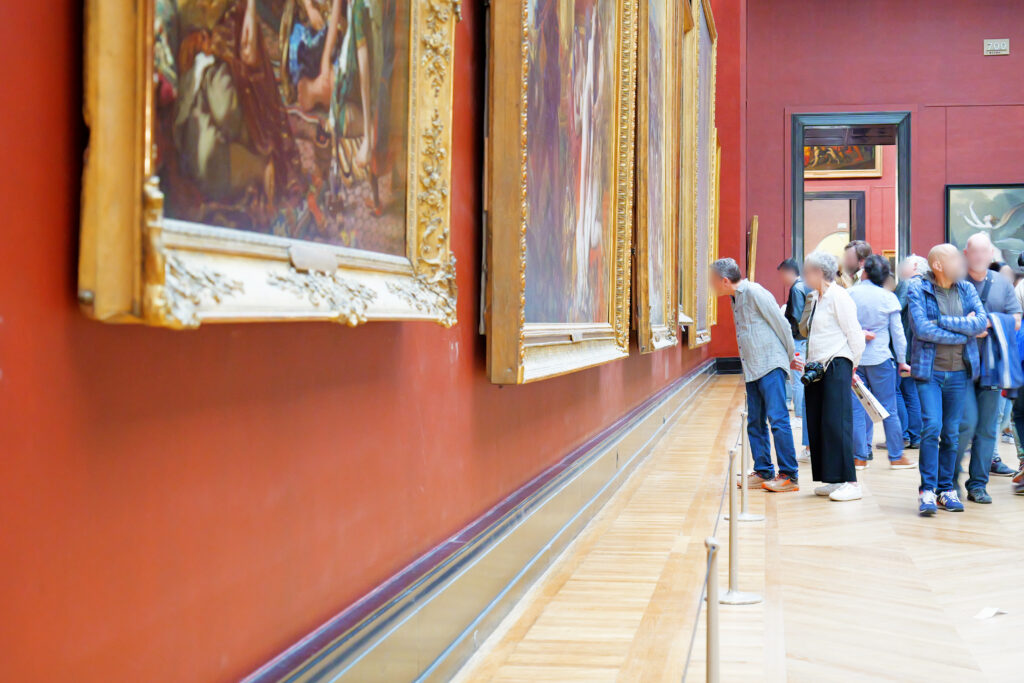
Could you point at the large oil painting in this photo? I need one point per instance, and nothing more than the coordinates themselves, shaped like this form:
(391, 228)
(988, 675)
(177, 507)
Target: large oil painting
(571, 100)
(703, 52)
(657, 172)
(285, 117)
(257, 160)
(560, 175)
(995, 209)
(656, 303)
(843, 161)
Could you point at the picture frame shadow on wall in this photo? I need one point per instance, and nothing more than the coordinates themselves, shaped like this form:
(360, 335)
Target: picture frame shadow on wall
(699, 171)
(250, 165)
(997, 209)
(662, 24)
(559, 186)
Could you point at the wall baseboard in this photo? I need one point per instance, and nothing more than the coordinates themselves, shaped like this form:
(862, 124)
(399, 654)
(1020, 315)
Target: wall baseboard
(426, 621)
(728, 366)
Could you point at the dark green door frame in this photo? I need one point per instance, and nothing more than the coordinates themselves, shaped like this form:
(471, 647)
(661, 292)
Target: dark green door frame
(901, 119)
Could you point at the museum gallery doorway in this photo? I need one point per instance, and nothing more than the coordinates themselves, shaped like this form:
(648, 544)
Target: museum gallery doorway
(851, 180)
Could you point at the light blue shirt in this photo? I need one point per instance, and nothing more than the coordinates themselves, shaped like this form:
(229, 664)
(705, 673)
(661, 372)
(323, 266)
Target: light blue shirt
(878, 311)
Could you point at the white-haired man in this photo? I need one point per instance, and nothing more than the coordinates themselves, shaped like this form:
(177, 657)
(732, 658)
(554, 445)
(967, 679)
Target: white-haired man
(766, 352)
(981, 406)
(908, 403)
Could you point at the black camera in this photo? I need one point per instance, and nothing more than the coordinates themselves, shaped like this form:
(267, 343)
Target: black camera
(813, 372)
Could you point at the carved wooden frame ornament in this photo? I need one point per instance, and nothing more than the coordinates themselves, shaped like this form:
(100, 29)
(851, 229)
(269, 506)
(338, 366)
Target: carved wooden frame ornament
(136, 265)
(518, 351)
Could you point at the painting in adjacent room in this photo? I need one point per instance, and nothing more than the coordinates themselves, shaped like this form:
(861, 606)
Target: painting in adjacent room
(843, 161)
(995, 209)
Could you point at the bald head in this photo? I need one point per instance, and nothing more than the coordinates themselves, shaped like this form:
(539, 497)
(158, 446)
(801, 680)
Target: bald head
(979, 252)
(946, 263)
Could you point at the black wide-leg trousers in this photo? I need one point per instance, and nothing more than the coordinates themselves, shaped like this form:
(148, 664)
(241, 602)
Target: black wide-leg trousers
(829, 415)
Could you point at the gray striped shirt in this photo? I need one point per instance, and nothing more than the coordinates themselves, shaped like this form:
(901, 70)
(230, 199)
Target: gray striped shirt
(765, 338)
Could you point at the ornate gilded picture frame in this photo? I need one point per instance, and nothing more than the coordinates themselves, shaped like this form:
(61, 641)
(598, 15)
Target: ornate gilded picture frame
(698, 170)
(715, 229)
(657, 248)
(559, 185)
(273, 163)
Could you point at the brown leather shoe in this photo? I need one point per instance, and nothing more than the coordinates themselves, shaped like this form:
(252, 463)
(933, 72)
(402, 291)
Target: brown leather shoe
(860, 464)
(904, 463)
(754, 481)
(780, 484)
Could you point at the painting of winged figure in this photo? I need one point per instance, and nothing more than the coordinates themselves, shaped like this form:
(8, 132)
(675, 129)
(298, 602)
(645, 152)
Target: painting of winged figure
(995, 209)
(284, 117)
(570, 162)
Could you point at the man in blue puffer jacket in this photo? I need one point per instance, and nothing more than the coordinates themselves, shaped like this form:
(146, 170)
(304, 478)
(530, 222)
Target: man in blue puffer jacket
(945, 314)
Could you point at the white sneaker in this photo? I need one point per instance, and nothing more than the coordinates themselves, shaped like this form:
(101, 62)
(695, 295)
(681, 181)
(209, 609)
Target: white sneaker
(805, 455)
(827, 489)
(848, 491)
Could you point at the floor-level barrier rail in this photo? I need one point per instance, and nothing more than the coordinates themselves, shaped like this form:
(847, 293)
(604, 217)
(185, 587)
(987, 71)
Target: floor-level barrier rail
(734, 596)
(713, 662)
(709, 588)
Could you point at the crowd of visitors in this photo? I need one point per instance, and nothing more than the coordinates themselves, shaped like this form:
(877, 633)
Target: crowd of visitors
(933, 352)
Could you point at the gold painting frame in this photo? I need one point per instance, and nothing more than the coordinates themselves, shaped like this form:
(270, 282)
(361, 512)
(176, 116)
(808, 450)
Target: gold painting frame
(715, 229)
(690, 284)
(752, 250)
(136, 265)
(517, 351)
(652, 337)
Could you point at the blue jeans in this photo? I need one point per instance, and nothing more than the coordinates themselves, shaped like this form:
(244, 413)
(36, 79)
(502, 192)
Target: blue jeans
(978, 431)
(909, 404)
(797, 390)
(942, 409)
(881, 381)
(766, 404)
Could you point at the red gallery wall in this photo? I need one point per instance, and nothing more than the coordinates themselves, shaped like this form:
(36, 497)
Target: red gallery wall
(922, 56)
(180, 506)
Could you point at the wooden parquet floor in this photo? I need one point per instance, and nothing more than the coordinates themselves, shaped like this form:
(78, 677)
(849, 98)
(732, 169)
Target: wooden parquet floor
(859, 591)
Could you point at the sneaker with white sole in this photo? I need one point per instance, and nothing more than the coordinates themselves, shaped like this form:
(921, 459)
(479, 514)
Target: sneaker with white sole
(826, 490)
(805, 455)
(949, 500)
(848, 491)
(927, 506)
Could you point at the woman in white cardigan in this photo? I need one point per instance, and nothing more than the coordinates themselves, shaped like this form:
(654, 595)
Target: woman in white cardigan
(835, 339)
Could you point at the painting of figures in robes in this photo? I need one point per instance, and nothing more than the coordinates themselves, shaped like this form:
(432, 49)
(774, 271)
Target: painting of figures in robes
(571, 159)
(285, 117)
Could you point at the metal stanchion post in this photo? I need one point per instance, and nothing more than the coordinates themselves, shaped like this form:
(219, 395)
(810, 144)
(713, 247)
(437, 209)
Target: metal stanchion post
(712, 626)
(745, 465)
(734, 596)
